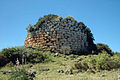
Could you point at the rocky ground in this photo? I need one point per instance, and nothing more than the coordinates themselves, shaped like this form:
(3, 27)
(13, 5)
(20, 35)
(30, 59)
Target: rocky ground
(60, 69)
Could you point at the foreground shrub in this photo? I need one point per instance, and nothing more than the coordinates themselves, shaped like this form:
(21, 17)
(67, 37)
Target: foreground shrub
(8, 55)
(102, 61)
(24, 55)
(20, 74)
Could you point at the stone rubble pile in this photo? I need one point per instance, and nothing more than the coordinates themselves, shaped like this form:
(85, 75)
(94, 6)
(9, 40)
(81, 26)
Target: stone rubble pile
(63, 35)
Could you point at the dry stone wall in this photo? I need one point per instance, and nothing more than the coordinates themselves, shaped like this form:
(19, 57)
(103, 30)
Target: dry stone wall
(63, 35)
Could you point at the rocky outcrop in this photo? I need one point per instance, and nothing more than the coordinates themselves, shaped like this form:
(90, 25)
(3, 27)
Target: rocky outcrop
(63, 35)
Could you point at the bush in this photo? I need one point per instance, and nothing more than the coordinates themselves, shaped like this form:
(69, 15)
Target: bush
(8, 55)
(24, 55)
(20, 74)
(3, 60)
(35, 57)
(100, 47)
(102, 61)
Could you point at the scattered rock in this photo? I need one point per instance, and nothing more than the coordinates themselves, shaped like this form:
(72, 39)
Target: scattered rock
(68, 71)
(60, 71)
(77, 71)
(6, 71)
(56, 54)
(72, 56)
(67, 58)
(64, 56)
(103, 75)
(79, 59)
(44, 69)
(108, 55)
(90, 71)
(32, 73)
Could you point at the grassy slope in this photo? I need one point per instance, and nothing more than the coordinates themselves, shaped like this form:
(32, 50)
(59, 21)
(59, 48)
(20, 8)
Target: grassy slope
(63, 63)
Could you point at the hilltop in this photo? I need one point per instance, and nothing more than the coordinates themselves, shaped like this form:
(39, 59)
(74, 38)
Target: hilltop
(58, 48)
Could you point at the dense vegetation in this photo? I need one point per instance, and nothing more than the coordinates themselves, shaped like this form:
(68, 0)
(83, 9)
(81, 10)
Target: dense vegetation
(105, 59)
(24, 55)
(20, 74)
(96, 64)
(100, 47)
(102, 61)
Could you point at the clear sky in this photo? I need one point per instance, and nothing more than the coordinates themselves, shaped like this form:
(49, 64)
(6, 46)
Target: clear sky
(101, 16)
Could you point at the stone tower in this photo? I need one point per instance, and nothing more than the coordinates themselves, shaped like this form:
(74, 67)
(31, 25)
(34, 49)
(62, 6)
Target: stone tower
(63, 35)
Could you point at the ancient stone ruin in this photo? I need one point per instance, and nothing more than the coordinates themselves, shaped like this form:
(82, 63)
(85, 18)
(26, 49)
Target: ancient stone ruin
(58, 34)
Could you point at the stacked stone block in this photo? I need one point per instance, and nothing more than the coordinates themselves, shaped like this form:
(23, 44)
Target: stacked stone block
(63, 35)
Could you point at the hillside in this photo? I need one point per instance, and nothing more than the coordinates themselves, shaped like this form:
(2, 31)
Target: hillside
(58, 48)
(54, 66)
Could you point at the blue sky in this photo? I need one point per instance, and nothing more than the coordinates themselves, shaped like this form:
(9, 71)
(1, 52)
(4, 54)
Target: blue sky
(101, 16)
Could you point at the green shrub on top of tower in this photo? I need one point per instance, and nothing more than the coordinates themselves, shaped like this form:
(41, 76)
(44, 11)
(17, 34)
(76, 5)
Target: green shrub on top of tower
(41, 20)
(69, 17)
(29, 28)
(50, 17)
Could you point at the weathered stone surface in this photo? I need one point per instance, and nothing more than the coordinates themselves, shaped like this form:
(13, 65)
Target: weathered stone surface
(57, 54)
(62, 35)
(77, 70)
(79, 59)
(90, 71)
(60, 71)
(44, 69)
(68, 71)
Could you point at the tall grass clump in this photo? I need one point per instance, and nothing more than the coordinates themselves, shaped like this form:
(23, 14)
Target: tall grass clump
(20, 74)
